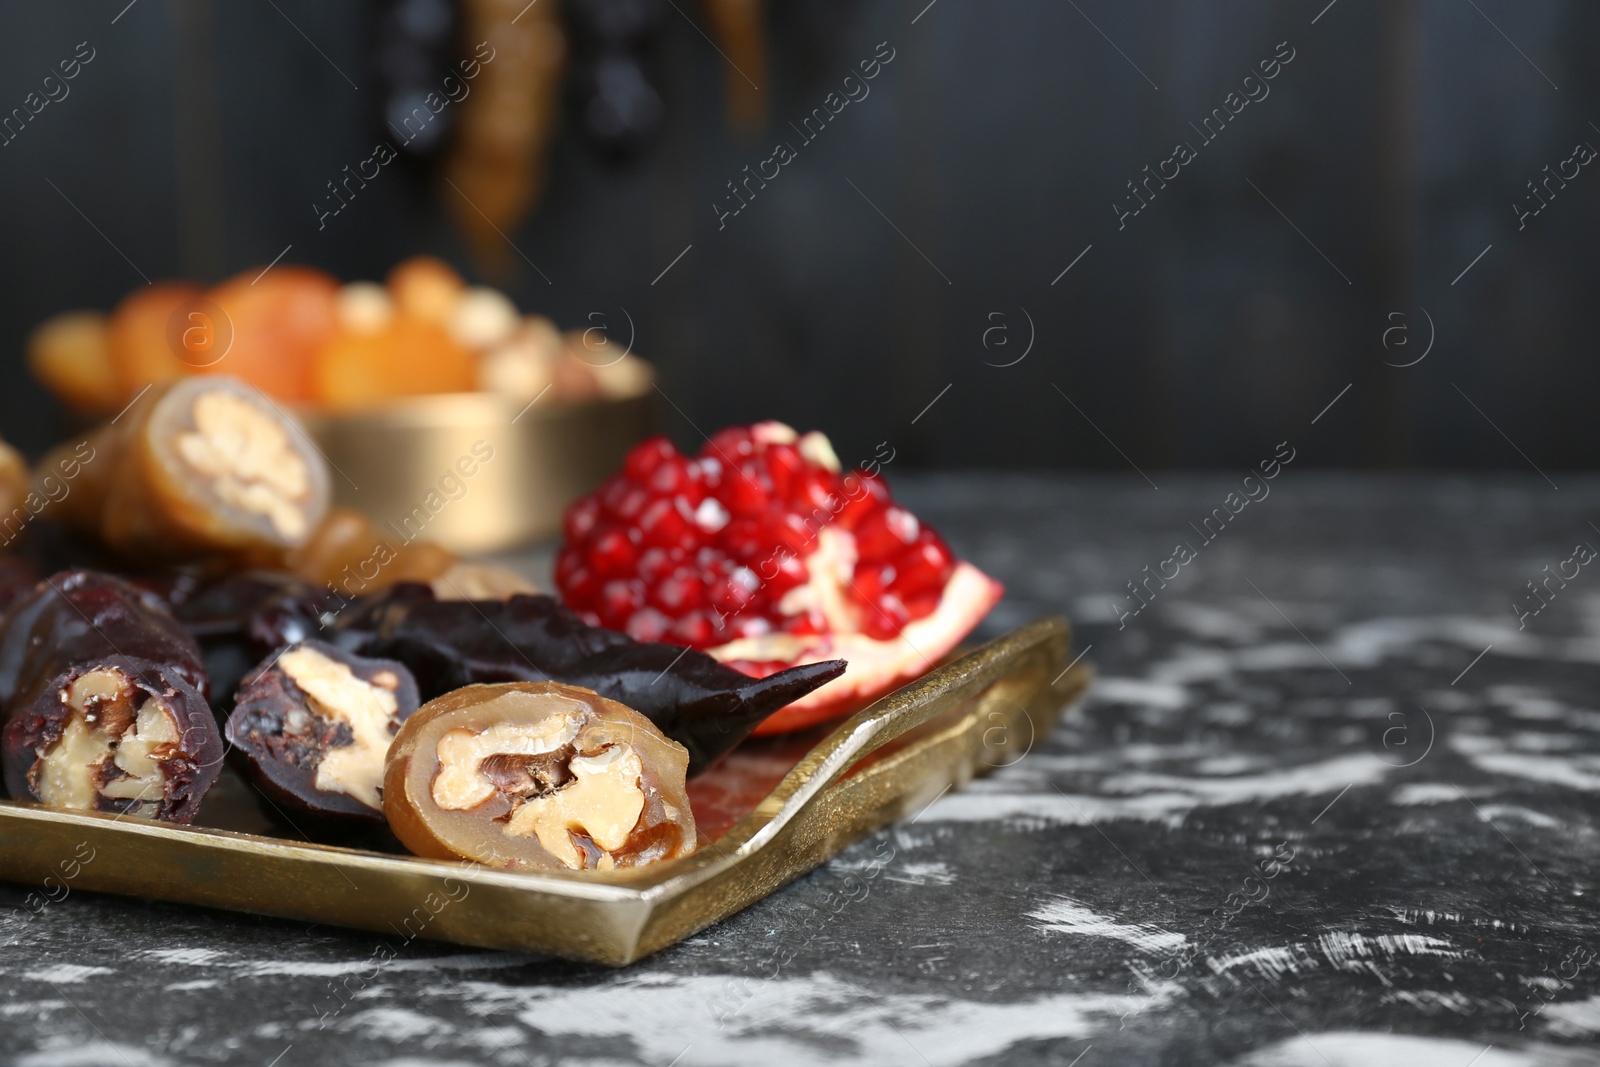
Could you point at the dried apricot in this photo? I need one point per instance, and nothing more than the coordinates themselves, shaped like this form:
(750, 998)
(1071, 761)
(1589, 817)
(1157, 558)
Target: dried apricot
(69, 356)
(141, 344)
(362, 369)
(280, 320)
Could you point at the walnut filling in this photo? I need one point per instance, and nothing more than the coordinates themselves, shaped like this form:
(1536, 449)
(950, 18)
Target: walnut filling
(603, 802)
(108, 749)
(465, 757)
(249, 460)
(369, 709)
(556, 795)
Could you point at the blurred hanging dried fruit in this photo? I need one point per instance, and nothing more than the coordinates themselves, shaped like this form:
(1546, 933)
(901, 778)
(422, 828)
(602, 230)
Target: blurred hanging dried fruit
(740, 29)
(495, 171)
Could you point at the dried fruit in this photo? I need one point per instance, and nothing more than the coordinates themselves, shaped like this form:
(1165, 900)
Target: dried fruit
(315, 723)
(70, 356)
(761, 552)
(347, 553)
(537, 776)
(209, 465)
(359, 369)
(105, 697)
(426, 288)
(523, 366)
(280, 319)
(137, 336)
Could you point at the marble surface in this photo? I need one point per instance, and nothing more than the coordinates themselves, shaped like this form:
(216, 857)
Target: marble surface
(1330, 803)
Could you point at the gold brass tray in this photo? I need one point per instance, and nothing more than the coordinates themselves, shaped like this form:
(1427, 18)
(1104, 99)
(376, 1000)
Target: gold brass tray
(773, 811)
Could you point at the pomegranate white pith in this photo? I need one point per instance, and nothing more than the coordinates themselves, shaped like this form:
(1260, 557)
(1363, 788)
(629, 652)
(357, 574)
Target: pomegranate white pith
(762, 552)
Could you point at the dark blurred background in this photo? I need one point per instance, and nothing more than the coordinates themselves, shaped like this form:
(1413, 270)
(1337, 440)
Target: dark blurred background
(928, 223)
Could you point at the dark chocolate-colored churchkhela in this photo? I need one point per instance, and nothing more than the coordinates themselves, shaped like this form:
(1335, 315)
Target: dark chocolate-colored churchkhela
(315, 723)
(244, 617)
(699, 703)
(105, 698)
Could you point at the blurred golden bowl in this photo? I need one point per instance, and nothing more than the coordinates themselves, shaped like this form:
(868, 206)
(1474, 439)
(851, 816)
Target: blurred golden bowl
(477, 472)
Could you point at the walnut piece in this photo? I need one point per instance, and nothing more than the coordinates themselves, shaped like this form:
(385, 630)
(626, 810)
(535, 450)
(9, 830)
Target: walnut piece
(462, 781)
(603, 802)
(249, 460)
(106, 748)
(554, 791)
(368, 708)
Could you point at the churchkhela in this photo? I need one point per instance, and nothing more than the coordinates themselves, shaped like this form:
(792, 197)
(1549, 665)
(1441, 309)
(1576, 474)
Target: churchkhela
(538, 776)
(204, 465)
(701, 704)
(315, 723)
(105, 698)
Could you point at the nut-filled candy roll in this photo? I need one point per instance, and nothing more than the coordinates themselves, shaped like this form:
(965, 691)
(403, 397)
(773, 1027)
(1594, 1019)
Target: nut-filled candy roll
(105, 699)
(211, 465)
(315, 724)
(537, 776)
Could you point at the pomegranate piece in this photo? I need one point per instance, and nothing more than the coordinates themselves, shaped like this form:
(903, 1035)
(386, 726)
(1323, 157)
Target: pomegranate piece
(761, 551)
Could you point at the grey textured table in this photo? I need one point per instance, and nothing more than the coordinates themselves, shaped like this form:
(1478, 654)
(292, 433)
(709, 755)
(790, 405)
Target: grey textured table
(1327, 804)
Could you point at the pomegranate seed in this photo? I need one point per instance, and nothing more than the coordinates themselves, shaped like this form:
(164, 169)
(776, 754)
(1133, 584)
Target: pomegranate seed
(710, 468)
(647, 624)
(807, 622)
(612, 552)
(567, 560)
(816, 491)
(619, 599)
(886, 533)
(710, 515)
(886, 617)
(646, 456)
(664, 525)
(580, 519)
(863, 494)
(694, 630)
(923, 604)
(670, 477)
(631, 503)
(745, 538)
(611, 492)
(743, 495)
(925, 566)
(873, 580)
(750, 626)
(787, 469)
(680, 593)
(580, 587)
(734, 593)
(732, 443)
(655, 564)
(791, 571)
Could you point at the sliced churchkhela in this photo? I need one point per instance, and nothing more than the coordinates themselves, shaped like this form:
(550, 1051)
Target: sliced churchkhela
(241, 618)
(200, 466)
(314, 725)
(699, 703)
(537, 776)
(105, 700)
